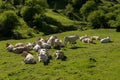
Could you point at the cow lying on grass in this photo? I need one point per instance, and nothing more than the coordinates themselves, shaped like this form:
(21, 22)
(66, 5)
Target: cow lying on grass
(28, 58)
(9, 47)
(95, 37)
(105, 40)
(59, 54)
(87, 40)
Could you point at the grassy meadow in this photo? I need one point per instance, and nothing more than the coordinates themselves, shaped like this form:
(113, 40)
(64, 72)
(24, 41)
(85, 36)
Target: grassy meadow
(78, 66)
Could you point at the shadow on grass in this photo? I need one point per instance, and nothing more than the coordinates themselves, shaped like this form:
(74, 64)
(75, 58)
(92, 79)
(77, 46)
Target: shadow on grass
(48, 61)
(64, 58)
(108, 42)
(111, 41)
(76, 47)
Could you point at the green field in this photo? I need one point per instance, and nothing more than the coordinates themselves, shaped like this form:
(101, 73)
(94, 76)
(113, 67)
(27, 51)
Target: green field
(77, 66)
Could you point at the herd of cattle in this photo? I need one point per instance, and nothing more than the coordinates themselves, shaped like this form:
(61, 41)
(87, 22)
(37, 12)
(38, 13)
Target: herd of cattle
(42, 47)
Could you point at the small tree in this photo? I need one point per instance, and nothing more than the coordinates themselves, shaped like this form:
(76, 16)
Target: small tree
(8, 21)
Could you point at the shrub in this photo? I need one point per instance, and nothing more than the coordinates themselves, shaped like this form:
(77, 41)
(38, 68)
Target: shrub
(46, 24)
(110, 16)
(118, 29)
(23, 30)
(113, 23)
(6, 6)
(78, 3)
(42, 3)
(88, 7)
(28, 13)
(97, 19)
(118, 20)
(8, 21)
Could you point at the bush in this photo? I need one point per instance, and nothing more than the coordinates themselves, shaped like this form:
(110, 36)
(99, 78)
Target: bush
(97, 19)
(42, 3)
(46, 24)
(6, 6)
(110, 16)
(49, 29)
(113, 23)
(23, 30)
(8, 21)
(28, 13)
(118, 29)
(87, 8)
(118, 20)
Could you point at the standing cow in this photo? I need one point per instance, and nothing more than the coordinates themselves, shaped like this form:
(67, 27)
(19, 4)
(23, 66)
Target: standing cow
(70, 39)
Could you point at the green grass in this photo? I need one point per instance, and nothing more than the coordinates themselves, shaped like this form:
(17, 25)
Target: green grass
(60, 18)
(76, 67)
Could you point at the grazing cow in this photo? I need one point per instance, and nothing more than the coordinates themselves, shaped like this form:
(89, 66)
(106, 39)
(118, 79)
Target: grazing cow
(70, 39)
(9, 47)
(29, 58)
(59, 54)
(105, 40)
(43, 55)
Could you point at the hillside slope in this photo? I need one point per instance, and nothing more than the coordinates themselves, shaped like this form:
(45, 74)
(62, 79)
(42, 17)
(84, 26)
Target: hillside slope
(77, 66)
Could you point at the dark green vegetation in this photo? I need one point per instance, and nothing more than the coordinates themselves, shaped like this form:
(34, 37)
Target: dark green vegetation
(26, 18)
(86, 62)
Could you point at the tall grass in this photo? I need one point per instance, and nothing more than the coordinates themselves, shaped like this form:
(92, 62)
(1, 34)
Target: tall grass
(77, 66)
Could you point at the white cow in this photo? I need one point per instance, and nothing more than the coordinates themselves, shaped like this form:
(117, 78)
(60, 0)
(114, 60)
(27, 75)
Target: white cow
(36, 47)
(43, 55)
(87, 40)
(59, 54)
(58, 43)
(105, 40)
(51, 40)
(9, 47)
(95, 37)
(83, 37)
(70, 39)
(19, 44)
(20, 49)
(29, 58)
(29, 46)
